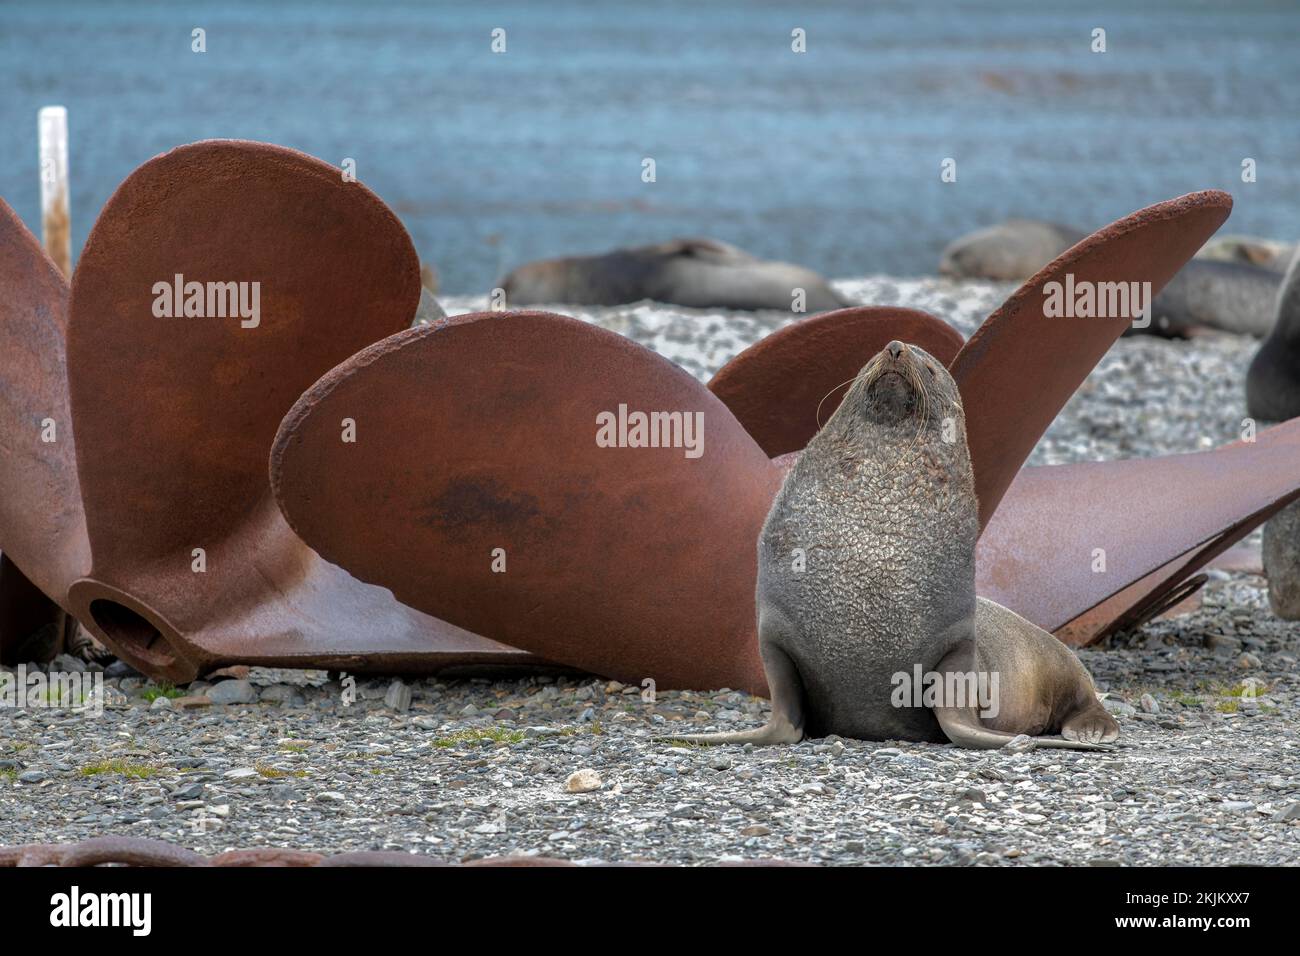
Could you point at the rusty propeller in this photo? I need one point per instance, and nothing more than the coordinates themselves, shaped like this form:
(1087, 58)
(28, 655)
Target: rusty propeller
(482, 438)
(158, 531)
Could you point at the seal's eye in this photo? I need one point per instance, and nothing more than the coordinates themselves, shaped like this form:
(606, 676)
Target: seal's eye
(930, 368)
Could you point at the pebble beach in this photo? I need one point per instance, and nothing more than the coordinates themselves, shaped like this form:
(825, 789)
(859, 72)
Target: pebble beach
(563, 765)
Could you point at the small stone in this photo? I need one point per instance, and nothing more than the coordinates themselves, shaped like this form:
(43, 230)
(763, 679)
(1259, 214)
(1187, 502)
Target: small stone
(329, 796)
(583, 781)
(756, 830)
(398, 697)
(282, 694)
(235, 671)
(32, 776)
(161, 703)
(1118, 707)
(1287, 813)
(1021, 743)
(1248, 661)
(240, 773)
(1149, 705)
(192, 701)
(119, 669)
(232, 692)
(67, 664)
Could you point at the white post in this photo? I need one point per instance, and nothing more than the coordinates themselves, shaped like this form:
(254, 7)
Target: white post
(56, 216)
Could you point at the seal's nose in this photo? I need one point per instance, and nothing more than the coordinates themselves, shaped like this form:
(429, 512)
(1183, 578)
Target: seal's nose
(895, 348)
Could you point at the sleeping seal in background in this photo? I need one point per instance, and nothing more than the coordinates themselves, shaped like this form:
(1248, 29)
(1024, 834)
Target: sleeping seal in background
(1011, 251)
(699, 273)
(1228, 292)
(881, 506)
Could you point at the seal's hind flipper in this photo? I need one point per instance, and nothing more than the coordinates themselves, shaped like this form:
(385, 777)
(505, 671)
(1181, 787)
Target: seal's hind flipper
(785, 726)
(963, 728)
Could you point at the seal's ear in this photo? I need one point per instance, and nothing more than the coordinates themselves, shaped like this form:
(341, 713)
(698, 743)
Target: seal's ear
(1086, 549)
(785, 385)
(221, 280)
(1021, 366)
(546, 483)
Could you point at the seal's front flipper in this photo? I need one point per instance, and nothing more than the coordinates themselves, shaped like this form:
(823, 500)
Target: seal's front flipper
(785, 726)
(962, 726)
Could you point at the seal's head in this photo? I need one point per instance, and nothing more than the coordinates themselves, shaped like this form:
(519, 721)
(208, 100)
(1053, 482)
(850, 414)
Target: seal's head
(903, 385)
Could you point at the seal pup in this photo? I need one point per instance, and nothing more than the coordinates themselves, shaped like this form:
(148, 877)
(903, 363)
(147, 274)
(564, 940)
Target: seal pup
(699, 273)
(1273, 395)
(882, 507)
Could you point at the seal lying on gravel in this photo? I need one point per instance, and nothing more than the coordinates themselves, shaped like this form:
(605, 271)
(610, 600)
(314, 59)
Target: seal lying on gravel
(881, 511)
(700, 273)
(1234, 296)
(1273, 395)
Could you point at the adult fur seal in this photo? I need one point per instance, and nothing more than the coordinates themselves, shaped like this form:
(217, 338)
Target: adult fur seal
(1273, 395)
(1010, 251)
(1233, 296)
(1207, 294)
(700, 273)
(882, 506)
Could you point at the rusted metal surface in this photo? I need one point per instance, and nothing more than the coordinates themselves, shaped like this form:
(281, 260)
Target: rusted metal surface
(1155, 522)
(193, 564)
(141, 851)
(42, 529)
(639, 562)
(481, 443)
(1020, 367)
(784, 386)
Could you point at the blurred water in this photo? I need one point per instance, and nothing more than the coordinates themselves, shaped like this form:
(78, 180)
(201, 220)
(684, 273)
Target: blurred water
(828, 158)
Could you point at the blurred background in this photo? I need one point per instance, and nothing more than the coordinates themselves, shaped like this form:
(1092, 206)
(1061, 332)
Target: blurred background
(828, 158)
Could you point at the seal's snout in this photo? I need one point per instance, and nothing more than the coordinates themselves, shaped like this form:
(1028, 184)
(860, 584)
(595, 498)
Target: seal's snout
(895, 348)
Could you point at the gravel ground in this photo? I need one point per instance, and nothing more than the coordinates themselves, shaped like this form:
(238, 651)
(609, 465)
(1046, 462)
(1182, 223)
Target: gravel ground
(478, 766)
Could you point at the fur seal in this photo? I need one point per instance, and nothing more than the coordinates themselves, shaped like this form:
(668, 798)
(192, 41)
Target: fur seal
(882, 505)
(1229, 296)
(1273, 379)
(1226, 293)
(1273, 395)
(1252, 250)
(699, 273)
(1011, 251)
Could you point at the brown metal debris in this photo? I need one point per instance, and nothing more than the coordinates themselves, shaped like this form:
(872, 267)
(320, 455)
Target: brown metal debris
(482, 435)
(638, 562)
(174, 416)
(476, 448)
(1136, 529)
(141, 851)
(783, 387)
(1020, 368)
